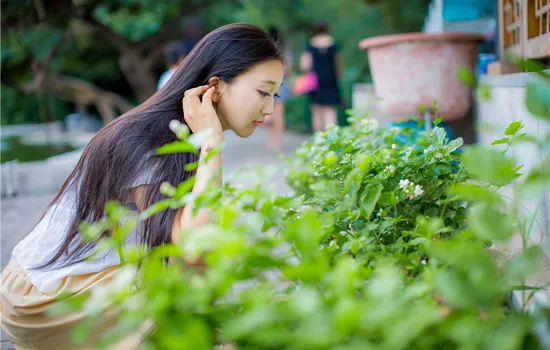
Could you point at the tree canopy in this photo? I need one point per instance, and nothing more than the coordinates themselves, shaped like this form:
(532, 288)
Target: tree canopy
(117, 44)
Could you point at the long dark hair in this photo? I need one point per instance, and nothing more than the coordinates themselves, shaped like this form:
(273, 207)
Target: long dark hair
(117, 156)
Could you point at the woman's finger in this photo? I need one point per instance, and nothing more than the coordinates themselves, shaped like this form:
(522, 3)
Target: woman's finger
(191, 101)
(199, 90)
(192, 95)
(207, 100)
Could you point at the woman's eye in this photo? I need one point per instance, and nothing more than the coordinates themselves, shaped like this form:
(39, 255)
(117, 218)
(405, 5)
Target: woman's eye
(277, 96)
(264, 94)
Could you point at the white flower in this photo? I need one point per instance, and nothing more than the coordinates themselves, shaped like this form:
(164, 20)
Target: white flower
(411, 190)
(175, 125)
(418, 190)
(404, 183)
(425, 151)
(390, 169)
(423, 262)
(181, 130)
(439, 156)
(393, 146)
(370, 123)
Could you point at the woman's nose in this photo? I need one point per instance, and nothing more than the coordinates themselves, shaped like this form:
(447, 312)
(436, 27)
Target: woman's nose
(269, 108)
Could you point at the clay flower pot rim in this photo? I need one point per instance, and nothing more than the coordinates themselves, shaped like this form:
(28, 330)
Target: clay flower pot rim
(401, 38)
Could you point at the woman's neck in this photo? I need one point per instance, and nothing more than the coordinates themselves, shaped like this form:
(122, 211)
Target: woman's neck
(322, 40)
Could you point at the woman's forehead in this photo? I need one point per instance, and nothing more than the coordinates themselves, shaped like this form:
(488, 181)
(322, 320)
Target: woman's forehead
(270, 72)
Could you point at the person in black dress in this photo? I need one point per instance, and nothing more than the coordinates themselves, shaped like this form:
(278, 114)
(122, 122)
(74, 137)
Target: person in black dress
(323, 57)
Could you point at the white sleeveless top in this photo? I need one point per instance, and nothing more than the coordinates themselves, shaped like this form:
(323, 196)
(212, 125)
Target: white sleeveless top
(45, 240)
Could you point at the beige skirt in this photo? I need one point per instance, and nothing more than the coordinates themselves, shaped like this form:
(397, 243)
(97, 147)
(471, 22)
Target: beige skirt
(23, 311)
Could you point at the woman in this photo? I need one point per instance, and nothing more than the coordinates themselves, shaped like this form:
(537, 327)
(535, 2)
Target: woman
(227, 82)
(324, 58)
(276, 122)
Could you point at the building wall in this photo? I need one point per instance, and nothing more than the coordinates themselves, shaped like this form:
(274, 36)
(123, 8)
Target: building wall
(493, 116)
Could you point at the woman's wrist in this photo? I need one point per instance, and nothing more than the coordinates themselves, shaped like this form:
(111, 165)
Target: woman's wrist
(213, 140)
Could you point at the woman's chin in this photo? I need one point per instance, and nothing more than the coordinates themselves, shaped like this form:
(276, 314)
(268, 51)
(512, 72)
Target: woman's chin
(245, 132)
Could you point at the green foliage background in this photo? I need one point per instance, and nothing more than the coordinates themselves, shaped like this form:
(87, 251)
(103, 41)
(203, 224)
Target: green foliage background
(88, 56)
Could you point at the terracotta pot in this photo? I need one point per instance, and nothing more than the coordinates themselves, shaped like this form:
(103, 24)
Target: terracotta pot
(410, 70)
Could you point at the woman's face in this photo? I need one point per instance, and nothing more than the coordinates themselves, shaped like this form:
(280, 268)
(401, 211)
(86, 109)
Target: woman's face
(244, 104)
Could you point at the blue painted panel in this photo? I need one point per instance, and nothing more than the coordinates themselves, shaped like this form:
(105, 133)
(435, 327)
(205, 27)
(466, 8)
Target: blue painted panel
(468, 10)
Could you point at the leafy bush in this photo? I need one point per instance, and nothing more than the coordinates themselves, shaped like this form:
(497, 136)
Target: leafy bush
(383, 246)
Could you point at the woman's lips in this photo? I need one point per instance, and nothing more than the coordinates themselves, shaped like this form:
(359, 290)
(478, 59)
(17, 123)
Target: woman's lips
(258, 123)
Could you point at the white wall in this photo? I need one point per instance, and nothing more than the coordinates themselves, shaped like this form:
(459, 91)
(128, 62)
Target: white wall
(507, 105)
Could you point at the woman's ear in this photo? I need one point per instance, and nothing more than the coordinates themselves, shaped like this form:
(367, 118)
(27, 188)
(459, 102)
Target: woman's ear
(217, 82)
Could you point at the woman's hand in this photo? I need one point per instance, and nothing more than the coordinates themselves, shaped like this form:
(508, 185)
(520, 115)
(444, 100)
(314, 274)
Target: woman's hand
(201, 116)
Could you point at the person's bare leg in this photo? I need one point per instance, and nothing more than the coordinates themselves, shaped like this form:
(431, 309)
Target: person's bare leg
(317, 117)
(331, 115)
(277, 127)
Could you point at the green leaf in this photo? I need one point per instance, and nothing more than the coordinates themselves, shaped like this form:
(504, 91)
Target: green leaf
(513, 128)
(531, 66)
(438, 136)
(484, 93)
(510, 335)
(155, 208)
(165, 251)
(388, 198)
(502, 141)
(474, 193)
(438, 121)
(419, 240)
(267, 208)
(466, 76)
(537, 182)
(435, 107)
(524, 138)
(227, 216)
(489, 165)
(523, 265)
(523, 287)
(325, 189)
(455, 290)
(191, 166)
(370, 197)
(177, 147)
(487, 223)
(82, 331)
(537, 99)
(185, 187)
(455, 144)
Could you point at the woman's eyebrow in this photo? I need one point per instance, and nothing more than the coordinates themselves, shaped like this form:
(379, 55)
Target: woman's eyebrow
(270, 82)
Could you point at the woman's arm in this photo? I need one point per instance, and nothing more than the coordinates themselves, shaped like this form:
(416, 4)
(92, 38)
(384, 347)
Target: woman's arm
(200, 116)
(339, 65)
(306, 61)
(207, 173)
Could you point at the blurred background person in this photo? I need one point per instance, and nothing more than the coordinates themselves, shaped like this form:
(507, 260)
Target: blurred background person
(174, 54)
(276, 122)
(323, 57)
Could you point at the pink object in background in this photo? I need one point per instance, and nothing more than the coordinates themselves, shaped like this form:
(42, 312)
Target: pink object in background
(306, 83)
(411, 70)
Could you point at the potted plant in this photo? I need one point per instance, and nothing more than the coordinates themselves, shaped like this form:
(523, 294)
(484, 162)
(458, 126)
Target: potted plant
(414, 69)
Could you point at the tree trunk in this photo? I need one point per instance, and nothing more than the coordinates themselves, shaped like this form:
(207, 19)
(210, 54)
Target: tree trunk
(139, 75)
(81, 93)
